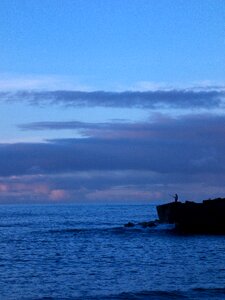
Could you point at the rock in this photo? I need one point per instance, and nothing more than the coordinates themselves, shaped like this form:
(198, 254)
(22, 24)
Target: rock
(129, 224)
(148, 224)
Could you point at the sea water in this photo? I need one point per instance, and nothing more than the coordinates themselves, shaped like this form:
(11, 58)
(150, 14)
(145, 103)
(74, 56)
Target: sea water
(85, 252)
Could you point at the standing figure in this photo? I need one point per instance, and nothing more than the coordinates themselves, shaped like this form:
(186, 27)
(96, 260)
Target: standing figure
(175, 197)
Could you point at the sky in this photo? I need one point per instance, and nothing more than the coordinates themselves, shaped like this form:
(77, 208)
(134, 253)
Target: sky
(110, 101)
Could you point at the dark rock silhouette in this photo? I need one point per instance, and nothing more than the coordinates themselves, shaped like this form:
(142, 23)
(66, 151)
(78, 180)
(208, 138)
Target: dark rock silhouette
(129, 224)
(148, 224)
(192, 217)
(143, 224)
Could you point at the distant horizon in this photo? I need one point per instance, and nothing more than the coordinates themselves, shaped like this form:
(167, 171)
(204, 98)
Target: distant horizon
(103, 203)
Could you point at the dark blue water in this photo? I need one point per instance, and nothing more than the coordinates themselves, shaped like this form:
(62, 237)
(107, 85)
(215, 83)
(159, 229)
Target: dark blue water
(84, 252)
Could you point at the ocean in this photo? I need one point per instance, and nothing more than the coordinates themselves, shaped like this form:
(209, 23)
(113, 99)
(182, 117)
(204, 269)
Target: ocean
(85, 252)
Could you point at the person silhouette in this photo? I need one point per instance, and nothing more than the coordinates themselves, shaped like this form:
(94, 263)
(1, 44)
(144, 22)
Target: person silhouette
(175, 197)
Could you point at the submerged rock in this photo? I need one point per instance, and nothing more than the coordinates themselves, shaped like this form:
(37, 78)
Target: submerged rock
(148, 224)
(143, 224)
(129, 224)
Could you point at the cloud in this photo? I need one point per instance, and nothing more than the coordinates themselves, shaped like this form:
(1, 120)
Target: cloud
(176, 99)
(58, 194)
(188, 144)
(109, 186)
(13, 83)
(152, 159)
(187, 127)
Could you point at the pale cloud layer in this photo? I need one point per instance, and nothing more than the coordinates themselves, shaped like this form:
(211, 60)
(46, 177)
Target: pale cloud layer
(14, 83)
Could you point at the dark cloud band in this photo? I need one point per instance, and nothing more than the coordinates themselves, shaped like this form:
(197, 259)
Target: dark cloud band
(178, 99)
(189, 144)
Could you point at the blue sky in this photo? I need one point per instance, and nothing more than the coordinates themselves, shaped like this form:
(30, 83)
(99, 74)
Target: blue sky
(111, 101)
(107, 44)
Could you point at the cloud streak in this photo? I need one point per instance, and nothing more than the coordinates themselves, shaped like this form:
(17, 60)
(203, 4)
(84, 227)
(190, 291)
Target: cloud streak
(187, 127)
(176, 99)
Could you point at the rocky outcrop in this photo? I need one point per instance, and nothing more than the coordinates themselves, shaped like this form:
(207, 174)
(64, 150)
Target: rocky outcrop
(205, 217)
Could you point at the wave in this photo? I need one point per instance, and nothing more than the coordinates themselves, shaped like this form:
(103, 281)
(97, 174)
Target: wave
(156, 295)
(210, 293)
(117, 230)
(86, 230)
(16, 225)
(143, 295)
(194, 294)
